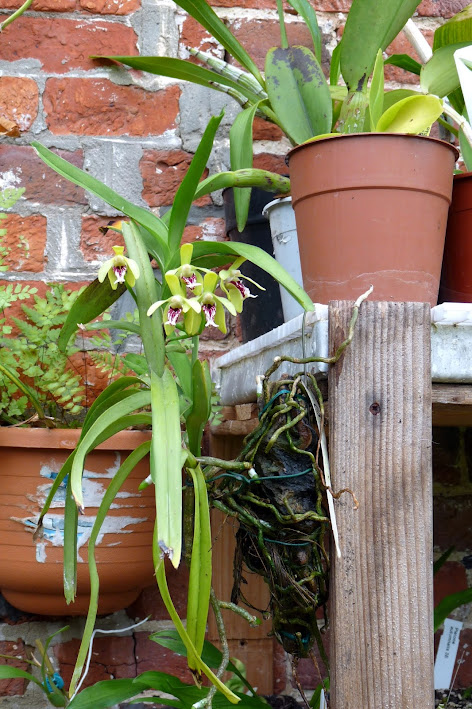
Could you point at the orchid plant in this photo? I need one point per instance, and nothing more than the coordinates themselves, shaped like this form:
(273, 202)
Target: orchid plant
(293, 92)
(170, 391)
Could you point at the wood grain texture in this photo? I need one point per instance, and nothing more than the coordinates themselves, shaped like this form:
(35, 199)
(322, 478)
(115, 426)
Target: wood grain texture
(380, 446)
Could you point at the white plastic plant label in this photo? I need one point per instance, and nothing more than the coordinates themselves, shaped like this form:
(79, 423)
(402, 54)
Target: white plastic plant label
(447, 653)
(323, 704)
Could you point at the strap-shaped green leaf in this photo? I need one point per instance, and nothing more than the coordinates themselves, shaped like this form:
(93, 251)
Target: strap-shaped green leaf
(240, 150)
(184, 70)
(201, 405)
(90, 304)
(191, 650)
(113, 488)
(166, 467)
(108, 421)
(457, 29)
(404, 61)
(298, 92)
(186, 192)
(69, 565)
(371, 25)
(107, 693)
(449, 604)
(376, 91)
(306, 11)
(83, 179)
(439, 75)
(199, 586)
(206, 16)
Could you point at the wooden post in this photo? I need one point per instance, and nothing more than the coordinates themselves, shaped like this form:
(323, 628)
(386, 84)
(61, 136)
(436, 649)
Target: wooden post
(380, 447)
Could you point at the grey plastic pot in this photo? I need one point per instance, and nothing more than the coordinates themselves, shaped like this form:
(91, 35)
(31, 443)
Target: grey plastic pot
(283, 229)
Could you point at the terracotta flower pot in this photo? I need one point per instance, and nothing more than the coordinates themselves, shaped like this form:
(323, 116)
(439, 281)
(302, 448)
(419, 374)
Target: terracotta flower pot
(372, 209)
(31, 571)
(456, 277)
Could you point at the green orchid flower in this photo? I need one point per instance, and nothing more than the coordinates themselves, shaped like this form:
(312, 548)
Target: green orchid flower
(175, 306)
(231, 281)
(213, 306)
(189, 276)
(119, 269)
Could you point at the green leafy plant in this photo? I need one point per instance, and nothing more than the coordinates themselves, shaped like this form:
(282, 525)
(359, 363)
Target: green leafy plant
(438, 73)
(170, 390)
(30, 356)
(293, 93)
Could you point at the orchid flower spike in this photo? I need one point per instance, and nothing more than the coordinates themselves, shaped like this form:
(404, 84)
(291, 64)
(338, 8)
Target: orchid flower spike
(232, 282)
(119, 269)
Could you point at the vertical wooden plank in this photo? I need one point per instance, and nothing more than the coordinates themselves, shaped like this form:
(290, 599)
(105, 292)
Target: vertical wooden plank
(380, 446)
(246, 643)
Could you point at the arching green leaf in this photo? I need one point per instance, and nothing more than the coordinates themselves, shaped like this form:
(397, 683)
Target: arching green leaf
(298, 92)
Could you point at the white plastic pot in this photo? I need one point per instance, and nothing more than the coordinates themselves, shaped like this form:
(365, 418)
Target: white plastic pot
(285, 241)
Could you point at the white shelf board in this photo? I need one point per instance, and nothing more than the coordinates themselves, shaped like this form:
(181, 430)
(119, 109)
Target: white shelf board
(235, 373)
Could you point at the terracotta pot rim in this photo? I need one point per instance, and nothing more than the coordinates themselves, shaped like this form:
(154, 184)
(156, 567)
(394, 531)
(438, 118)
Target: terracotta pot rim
(374, 136)
(65, 438)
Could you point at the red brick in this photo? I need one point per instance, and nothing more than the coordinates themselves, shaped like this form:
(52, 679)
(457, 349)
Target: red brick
(151, 656)
(99, 107)
(110, 7)
(441, 8)
(273, 163)
(94, 245)
(258, 36)
(450, 578)
(264, 130)
(18, 98)
(401, 45)
(112, 658)
(194, 35)
(162, 172)
(41, 182)
(41, 5)
(150, 602)
(210, 229)
(333, 5)
(26, 241)
(13, 687)
(62, 45)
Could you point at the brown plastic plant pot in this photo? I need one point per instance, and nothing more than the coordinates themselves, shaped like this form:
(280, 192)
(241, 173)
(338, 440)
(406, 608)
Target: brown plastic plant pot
(456, 277)
(372, 209)
(31, 576)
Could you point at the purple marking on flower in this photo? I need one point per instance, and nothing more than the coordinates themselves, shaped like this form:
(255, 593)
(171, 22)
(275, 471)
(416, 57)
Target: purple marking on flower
(190, 281)
(210, 312)
(173, 316)
(120, 273)
(242, 288)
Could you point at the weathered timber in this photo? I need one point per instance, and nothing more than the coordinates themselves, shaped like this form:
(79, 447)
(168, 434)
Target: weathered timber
(380, 447)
